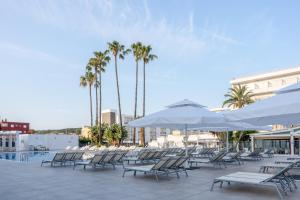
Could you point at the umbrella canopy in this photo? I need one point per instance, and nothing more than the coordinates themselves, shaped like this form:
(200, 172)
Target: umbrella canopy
(181, 115)
(283, 108)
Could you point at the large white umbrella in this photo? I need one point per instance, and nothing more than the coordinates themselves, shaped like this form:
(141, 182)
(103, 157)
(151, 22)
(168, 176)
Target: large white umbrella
(283, 108)
(185, 115)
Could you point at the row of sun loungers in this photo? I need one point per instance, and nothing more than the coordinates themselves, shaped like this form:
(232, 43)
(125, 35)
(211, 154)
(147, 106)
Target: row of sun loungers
(103, 159)
(64, 158)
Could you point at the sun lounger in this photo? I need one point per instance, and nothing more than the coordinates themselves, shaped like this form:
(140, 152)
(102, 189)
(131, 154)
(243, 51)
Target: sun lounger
(177, 166)
(233, 158)
(58, 158)
(155, 169)
(279, 181)
(92, 162)
(267, 153)
(141, 156)
(252, 156)
(68, 157)
(217, 160)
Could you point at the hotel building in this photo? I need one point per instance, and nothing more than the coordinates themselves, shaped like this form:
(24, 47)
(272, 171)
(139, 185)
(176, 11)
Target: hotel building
(265, 85)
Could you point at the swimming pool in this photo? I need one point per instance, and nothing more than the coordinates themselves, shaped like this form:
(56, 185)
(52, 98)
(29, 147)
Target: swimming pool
(27, 156)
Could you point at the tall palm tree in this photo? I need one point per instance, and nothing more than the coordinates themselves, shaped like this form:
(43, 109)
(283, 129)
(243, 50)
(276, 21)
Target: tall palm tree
(137, 53)
(238, 97)
(88, 80)
(147, 57)
(118, 51)
(101, 59)
(92, 64)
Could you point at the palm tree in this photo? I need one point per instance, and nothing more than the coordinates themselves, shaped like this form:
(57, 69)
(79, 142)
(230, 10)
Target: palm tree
(147, 57)
(118, 51)
(137, 53)
(88, 80)
(92, 64)
(238, 97)
(101, 60)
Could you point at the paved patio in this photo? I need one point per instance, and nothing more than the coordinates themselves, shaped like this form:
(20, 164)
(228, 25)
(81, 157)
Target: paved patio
(30, 181)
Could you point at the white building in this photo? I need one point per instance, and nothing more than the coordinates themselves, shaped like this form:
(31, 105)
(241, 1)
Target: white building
(49, 141)
(14, 141)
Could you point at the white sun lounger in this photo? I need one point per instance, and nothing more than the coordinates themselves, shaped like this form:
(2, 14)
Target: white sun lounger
(279, 180)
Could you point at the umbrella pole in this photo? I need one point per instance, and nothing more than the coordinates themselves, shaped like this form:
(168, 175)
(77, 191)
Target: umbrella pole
(185, 142)
(227, 142)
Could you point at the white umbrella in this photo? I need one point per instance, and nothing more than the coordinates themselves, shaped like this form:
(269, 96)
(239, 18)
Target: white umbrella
(185, 115)
(283, 108)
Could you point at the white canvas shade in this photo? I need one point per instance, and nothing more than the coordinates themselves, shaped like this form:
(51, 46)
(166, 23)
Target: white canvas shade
(185, 115)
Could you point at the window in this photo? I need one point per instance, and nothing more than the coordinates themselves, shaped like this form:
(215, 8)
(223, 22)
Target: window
(269, 84)
(6, 142)
(24, 126)
(283, 82)
(0, 142)
(12, 126)
(256, 86)
(13, 143)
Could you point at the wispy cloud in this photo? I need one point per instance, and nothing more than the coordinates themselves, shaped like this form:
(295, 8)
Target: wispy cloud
(129, 21)
(18, 51)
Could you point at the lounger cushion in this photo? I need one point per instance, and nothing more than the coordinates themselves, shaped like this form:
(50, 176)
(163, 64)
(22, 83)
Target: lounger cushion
(143, 168)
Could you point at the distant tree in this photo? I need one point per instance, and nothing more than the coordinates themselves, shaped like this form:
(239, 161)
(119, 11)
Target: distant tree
(114, 134)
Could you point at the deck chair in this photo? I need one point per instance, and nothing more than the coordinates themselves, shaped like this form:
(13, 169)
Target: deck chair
(77, 157)
(179, 166)
(252, 156)
(58, 158)
(217, 160)
(68, 157)
(92, 162)
(108, 159)
(138, 158)
(280, 181)
(233, 158)
(155, 169)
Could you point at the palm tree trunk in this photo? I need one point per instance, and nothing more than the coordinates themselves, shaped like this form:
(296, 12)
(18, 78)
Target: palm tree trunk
(142, 134)
(91, 104)
(144, 91)
(96, 77)
(118, 92)
(100, 107)
(135, 97)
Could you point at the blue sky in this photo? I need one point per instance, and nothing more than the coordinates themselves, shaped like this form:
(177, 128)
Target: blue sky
(201, 45)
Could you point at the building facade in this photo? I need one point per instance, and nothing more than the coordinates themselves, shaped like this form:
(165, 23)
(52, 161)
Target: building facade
(15, 141)
(266, 84)
(22, 127)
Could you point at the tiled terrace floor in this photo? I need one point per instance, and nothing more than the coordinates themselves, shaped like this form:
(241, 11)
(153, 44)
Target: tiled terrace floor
(30, 181)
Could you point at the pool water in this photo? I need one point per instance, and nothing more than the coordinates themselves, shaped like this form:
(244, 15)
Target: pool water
(27, 156)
